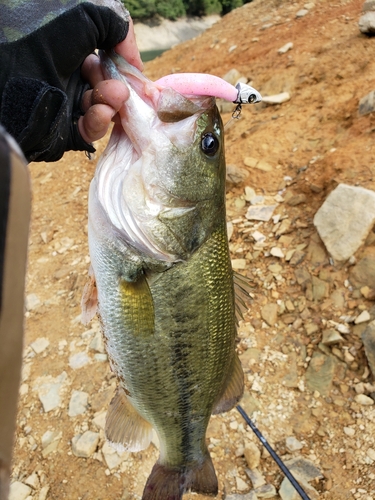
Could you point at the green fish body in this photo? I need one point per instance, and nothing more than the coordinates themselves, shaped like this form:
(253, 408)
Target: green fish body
(160, 257)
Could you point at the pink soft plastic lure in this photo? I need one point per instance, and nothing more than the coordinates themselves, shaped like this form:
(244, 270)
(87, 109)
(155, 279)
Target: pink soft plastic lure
(210, 85)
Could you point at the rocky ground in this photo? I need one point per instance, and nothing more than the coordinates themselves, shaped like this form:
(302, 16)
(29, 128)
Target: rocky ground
(309, 378)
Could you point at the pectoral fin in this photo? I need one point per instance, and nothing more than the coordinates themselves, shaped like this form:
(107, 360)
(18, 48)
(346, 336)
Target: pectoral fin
(138, 306)
(89, 301)
(233, 389)
(124, 427)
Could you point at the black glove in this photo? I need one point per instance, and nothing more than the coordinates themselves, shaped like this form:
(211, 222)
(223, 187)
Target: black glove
(40, 82)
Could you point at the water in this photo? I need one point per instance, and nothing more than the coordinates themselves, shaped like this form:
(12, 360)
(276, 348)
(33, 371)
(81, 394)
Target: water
(149, 55)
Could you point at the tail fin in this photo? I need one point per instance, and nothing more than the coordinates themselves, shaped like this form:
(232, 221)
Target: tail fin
(203, 479)
(168, 483)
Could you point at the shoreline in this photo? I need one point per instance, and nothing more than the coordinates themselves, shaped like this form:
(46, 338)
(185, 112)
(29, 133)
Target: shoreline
(154, 35)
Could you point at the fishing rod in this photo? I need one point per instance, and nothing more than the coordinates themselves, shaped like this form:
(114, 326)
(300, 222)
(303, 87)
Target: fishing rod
(273, 454)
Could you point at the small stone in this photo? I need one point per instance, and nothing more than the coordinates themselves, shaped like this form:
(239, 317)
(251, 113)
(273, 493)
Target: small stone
(269, 313)
(259, 212)
(276, 99)
(320, 373)
(97, 343)
(78, 360)
(236, 175)
(24, 389)
(296, 258)
(84, 445)
(277, 252)
(367, 104)
(239, 263)
(362, 318)
(344, 329)
(113, 458)
(252, 455)
(241, 485)
(349, 431)
(39, 345)
(33, 481)
(371, 453)
(48, 389)
(363, 400)
(50, 436)
(19, 491)
(43, 493)
(331, 337)
(368, 293)
(284, 228)
(101, 358)
(366, 23)
(302, 13)
(258, 236)
(32, 302)
(78, 403)
(320, 289)
(368, 339)
(293, 444)
(249, 193)
(99, 419)
(255, 477)
(305, 468)
(266, 491)
(296, 199)
(285, 48)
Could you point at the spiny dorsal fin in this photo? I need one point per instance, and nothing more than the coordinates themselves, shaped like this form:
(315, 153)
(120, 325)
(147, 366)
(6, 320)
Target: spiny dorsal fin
(242, 289)
(125, 427)
(233, 389)
(89, 301)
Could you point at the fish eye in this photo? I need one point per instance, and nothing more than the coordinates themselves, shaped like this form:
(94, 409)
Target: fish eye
(209, 144)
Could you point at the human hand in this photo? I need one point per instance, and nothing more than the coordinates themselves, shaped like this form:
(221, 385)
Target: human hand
(43, 98)
(101, 104)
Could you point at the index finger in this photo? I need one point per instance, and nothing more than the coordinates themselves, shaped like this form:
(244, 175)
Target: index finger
(128, 48)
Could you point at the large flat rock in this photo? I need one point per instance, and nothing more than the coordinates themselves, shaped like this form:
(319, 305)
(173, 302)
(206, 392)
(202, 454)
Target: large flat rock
(345, 220)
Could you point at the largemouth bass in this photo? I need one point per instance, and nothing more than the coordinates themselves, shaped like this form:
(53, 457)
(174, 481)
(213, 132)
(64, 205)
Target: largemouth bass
(160, 259)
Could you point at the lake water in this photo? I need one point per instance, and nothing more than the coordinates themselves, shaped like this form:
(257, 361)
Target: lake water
(149, 55)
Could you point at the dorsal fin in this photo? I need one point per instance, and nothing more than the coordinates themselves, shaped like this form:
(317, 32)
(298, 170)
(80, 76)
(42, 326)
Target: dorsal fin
(242, 289)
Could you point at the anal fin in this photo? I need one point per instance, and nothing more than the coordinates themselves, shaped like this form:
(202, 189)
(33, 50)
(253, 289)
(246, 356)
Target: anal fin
(124, 427)
(233, 389)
